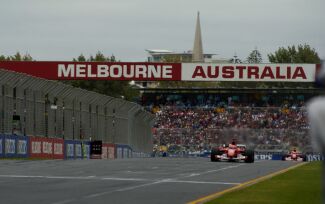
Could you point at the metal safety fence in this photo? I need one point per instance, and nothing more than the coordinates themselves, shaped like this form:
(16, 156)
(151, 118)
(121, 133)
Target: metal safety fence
(31, 106)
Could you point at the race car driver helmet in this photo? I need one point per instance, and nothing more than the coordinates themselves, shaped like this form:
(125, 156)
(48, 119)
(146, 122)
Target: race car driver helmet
(233, 142)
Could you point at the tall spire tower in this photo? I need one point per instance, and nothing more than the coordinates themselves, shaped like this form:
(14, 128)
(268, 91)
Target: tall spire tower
(197, 54)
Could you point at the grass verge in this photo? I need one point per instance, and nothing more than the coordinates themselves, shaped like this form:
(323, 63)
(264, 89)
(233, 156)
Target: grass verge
(301, 185)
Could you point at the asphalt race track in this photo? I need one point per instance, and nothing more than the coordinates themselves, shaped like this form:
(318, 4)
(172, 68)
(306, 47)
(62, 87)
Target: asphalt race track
(145, 180)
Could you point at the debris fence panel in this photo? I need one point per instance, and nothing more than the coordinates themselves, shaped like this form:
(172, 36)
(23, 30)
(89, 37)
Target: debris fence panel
(35, 107)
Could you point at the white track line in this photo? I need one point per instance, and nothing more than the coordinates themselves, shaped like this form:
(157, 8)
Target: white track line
(111, 178)
(123, 179)
(122, 189)
(74, 177)
(202, 182)
(212, 171)
(170, 180)
(154, 183)
(117, 179)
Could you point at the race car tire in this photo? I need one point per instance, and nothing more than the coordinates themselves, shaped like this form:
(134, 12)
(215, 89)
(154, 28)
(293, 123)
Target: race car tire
(213, 158)
(249, 156)
(215, 152)
(284, 155)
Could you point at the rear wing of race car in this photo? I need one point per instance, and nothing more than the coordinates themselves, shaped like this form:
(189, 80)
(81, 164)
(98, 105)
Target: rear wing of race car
(238, 145)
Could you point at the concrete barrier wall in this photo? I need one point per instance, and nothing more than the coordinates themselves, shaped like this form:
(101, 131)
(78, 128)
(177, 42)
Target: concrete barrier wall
(45, 148)
(123, 151)
(1, 146)
(108, 151)
(13, 146)
(86, 150)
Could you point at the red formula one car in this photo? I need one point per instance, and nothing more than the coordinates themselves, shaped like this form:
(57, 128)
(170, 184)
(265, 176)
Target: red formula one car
(294, 155)
(232, 152)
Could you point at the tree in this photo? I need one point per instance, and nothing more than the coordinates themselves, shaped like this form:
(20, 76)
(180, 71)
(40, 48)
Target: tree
(16, 57)
(254, 57)
(120, 89)
(100, 57)
(303, 54)
(235, 60)
(113, 58)
(27, 57)
(81, 58)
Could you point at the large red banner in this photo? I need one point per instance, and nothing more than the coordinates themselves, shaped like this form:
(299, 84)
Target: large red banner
(97, 70)
(108, 151)
(249, 72)
(58, 148)
(144, 71)
(46, 148)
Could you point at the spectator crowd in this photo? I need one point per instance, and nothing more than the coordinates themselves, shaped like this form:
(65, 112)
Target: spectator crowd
(197, 128)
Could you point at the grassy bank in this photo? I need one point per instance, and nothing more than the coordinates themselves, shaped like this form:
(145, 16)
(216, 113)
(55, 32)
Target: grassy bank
(301, 185)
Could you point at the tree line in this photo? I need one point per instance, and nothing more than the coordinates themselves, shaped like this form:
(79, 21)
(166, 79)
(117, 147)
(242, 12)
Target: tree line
(291, 54)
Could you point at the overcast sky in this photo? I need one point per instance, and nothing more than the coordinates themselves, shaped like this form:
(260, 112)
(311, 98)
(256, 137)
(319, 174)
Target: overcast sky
(62, 29)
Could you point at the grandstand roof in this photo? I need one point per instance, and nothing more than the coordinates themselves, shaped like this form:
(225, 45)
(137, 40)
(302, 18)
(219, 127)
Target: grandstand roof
(158, 51)
(273, 90)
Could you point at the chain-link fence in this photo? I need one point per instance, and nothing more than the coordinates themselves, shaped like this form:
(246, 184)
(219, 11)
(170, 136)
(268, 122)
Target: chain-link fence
(37, 107)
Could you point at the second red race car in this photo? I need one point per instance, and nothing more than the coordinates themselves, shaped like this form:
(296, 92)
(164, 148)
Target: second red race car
(294, 155)
(232, 152)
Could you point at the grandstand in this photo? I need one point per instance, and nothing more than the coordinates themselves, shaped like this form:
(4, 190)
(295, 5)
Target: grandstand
(194, 119)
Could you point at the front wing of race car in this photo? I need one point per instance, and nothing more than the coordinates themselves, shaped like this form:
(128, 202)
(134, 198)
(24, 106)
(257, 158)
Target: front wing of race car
(299, 157)
(224, 157)
(221, 155)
